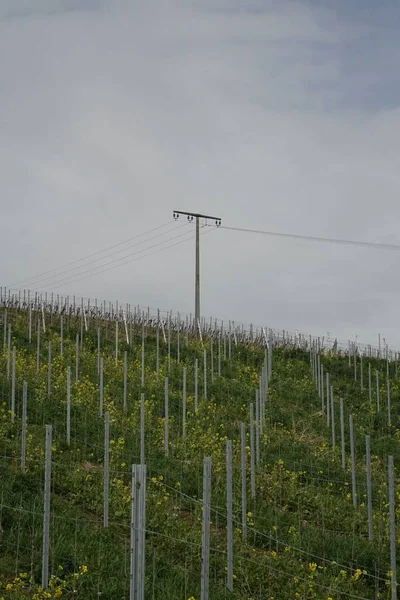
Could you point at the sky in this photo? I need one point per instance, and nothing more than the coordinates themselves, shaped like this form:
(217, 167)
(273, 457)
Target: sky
(280, 115)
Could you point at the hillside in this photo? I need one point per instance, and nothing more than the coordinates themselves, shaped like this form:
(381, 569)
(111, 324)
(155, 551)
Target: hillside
(304, 531)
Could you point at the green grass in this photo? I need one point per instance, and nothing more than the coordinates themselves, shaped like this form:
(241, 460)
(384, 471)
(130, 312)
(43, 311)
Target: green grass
(305, 538)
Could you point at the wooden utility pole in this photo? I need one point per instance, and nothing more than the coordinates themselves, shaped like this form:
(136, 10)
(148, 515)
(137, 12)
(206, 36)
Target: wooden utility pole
(190, 217)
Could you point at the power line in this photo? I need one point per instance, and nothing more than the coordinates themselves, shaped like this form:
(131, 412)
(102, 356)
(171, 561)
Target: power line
(375, 245)
(34, 277)
(120, 264)
(116, 260)
(139, 257)
(108, 255)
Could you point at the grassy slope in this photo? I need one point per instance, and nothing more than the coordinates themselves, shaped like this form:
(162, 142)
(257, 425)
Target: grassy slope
(305, 539)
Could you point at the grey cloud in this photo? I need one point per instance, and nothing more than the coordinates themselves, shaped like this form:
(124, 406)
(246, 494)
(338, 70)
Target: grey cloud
(28, 9)
(112, 118)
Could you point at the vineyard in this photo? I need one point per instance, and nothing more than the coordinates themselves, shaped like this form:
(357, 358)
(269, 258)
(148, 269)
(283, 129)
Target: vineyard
(268, 462)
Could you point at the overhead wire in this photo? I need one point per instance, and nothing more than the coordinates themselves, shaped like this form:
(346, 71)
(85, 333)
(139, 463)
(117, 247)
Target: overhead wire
(45, 275)
(120, 264)
(101, 258)
(34, 277)
(310, 238)
(116, 260)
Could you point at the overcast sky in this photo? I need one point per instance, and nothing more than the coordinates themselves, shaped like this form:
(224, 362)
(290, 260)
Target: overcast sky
(273, 114)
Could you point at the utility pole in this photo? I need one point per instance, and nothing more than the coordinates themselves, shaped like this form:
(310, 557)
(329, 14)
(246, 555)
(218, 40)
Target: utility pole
(190, 217)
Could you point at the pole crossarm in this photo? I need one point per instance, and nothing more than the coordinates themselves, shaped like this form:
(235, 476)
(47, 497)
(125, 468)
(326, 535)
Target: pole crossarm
(194, 215)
